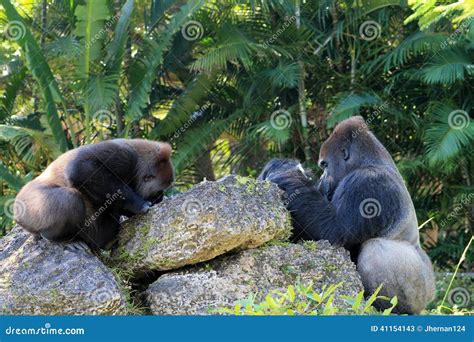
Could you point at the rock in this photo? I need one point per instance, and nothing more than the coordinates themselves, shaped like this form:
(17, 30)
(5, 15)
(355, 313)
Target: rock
(221, 282)
(38, 277)
(210, 219)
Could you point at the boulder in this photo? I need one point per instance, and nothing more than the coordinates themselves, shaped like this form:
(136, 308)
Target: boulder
(38, 277)
(220, 283)
(206, 221)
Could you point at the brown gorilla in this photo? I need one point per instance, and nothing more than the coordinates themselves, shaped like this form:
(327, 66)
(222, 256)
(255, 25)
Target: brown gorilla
(361, 203)
(83, 193)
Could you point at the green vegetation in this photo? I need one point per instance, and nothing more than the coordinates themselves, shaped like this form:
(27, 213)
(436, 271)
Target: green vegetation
(301, 299)
(231, 84)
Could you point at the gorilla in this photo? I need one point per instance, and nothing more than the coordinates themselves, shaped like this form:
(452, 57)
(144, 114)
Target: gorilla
(83, 193)
(361, 203)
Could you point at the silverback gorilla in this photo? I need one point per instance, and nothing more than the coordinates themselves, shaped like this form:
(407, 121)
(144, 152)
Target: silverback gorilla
(83, 193)
(361, 203)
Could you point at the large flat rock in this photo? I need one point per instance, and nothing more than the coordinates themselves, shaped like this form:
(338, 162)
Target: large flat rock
(220, 283)
(210, 219)
(43, 278)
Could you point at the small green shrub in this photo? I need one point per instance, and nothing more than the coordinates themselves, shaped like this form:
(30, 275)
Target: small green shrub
(300, 299)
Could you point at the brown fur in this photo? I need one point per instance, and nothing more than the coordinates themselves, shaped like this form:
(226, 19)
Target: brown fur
(119, 175)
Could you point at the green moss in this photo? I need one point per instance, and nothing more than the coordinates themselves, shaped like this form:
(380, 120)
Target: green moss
(288, 269)
(123, 277)
(311, 246)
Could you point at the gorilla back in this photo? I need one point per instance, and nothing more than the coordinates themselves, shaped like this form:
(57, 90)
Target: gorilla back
(362, 203)
(83, 193)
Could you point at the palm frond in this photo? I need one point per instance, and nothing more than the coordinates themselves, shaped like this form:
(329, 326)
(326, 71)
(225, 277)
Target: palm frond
(90, 24)
(452, 131)
(446, 68)
(42, 74)
(350, 105)
(143, 71)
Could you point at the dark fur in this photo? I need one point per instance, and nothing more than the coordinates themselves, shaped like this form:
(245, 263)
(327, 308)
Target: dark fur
(104, 180)
(358, 168)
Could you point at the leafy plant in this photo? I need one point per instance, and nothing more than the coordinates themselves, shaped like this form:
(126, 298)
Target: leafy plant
(301, 299)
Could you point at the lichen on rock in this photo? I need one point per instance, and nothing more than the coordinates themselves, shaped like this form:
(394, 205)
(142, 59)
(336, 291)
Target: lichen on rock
(227, 279)
(210, 219)
(38, 277)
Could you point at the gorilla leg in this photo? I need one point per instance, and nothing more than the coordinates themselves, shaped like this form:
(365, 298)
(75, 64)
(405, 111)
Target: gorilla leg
(101, 232)
(404, 270)
(55, 213)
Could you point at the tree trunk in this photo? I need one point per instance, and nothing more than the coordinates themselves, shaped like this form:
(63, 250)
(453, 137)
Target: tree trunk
(203, 167)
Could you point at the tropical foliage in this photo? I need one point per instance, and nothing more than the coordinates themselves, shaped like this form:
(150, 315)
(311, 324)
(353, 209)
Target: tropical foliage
(233, 83)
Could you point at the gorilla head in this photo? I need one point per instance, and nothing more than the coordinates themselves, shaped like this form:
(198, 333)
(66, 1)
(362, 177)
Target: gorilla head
(350, 146)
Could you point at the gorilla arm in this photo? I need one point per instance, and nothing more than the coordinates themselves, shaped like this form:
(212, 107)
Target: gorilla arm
(347, 219)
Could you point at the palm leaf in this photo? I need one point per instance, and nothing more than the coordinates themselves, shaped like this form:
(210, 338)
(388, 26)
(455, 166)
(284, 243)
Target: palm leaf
(350, 105)
(13, 180)
(90, 22)
(42, 74)
(446, 68)
(116, 48)
(452, 131)
(143, 71)
(184, 106)
(196, 140)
